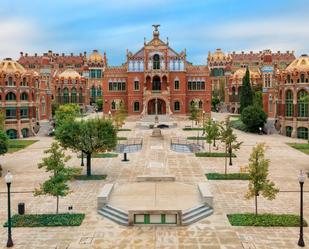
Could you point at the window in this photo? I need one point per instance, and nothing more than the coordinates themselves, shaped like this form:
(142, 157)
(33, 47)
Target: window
(302, 132)
(196, 85)
(110, 86)
(24, 96)
(156, 62)
(12, 133)
(302, 104)
(302, 78)
(24, 82)
(10, 96)
(116, 86)
(93, 92)
(176, 106)
(80, 95)
(289, 103)
(113, 105)
(288, 78)
(10, 113)
(10, 82)
(288, 131)
(200, 104)
(73, 95)
(136, 85)
(24, 112)
(99, 92)
(136, 106)
(233, 91)
(123, 86)
(176, 84)
(65, 96)
(43, 103)
(270, 103)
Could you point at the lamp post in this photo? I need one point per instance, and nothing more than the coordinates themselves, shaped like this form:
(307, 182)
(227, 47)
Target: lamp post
(82, 159)
(214, 143)
(301, 179)
(8, 179)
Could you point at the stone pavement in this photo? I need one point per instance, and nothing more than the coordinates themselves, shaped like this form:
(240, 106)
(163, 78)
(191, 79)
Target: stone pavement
(212, 232)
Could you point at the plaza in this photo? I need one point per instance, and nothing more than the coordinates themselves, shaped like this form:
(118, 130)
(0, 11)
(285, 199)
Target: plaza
(214, 231)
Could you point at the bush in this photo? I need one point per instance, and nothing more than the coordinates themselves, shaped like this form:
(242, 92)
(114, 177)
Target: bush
(192, 129)
(196, 138)
(90, 178)
(265, 220)
(212, 154)
(46, 220)
(239, 125)
(230, 176)
(253, 117)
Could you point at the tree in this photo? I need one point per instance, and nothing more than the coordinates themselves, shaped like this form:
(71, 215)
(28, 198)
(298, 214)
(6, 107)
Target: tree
(67, 112)
(90, 136)
(212, 131)
(54, 107)
(253, 117)
(120, 115)
(57, 184)
(258, 99)
(246, 94)
(214, 102)
(193, 112)
(4, 142)
(229, 139)
(99, 104)
(258, 173)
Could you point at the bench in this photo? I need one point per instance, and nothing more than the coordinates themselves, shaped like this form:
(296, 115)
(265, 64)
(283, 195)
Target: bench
(206, 195)
(104, 195)
(155, 178)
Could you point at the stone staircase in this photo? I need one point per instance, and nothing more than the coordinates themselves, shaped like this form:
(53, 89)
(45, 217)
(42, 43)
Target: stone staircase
(195, 214)
(115, 214)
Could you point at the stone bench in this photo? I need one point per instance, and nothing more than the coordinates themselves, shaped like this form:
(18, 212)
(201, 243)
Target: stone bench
(206, 195)
(104, 195)
(155, 178)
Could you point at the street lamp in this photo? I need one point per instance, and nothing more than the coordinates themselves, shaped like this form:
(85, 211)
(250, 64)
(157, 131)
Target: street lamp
(8, 179)
(301, 179)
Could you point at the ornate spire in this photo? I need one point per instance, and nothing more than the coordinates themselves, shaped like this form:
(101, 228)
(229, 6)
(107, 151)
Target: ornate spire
(155, 30)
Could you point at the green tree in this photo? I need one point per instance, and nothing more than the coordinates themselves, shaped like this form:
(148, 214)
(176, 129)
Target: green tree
(229, 138)
(214, 102)
(193, 112)
(67, 112)
(56, 185)
(99, 104)
(4, 142)
(120, 115)
(258, 174)
(246, 94)
(54, 107)
(253, 117)
(89, 136)
(258, 99)
(212, 132)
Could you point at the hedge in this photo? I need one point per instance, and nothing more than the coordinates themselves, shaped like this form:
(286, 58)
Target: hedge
(213, 154)
(230, 176)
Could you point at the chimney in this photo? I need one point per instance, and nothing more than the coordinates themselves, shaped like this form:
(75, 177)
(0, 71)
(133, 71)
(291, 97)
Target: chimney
(62, 54)
(35, 54)
(85, 53)
(278, 52)
(242, 52)
(21, 54)
(26, 54)
(288, 51)
(71, 54)
(251, 52)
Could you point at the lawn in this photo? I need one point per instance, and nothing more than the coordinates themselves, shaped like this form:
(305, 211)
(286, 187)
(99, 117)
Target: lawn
(90, 178)
(230, 176)
(301, 147)
(104, 155)
(46, 220)
(265, 220)
(212, 154)
(16, 145)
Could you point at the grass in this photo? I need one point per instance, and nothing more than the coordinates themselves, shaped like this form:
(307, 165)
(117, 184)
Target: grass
(124, 129)
(196, 138)
(16, 145)
(90, 178)
(212, 154)
(239, 125)
(192, 129)
(104, 155)
(301, 147)
(122, 138)
(230, 176)
(265, 220)
(46, 220)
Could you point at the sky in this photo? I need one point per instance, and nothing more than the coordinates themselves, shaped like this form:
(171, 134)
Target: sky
(65, 26)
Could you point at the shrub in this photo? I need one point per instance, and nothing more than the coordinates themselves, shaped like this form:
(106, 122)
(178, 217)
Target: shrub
(212, 154)
(230, 176)
(239, 125)
(253, 117)
(90, 178)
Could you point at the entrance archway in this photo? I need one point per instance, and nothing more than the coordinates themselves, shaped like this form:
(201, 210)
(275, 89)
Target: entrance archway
(156, 107)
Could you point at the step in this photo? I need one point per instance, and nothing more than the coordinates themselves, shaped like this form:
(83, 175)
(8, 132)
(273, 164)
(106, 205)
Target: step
(115, 213)
(187, 211)
(114, 218)
(198, 217)
(117, 210)
(195, 213)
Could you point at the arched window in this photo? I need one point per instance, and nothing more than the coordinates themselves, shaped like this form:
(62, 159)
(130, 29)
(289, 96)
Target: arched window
(65, 95)
(12, 133)
(288, 78)
(81, 95)
(10, 97)
(113, 105)
(24, 96)
(288, 131)
(200, 104)
(136, 106)
(302, 103)
(99, 92)
(176, 106)
(156, 83)
(10, 82)
(24, 82)
(302, 132)
(156, 61)
(289, 103)
(73, 95)
(302, 78)
(233, 91)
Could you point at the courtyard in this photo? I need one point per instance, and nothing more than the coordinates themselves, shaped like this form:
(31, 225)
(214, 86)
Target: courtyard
(212, 232)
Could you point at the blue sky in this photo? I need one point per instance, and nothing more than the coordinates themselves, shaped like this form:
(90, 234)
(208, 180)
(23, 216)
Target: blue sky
(116, 25)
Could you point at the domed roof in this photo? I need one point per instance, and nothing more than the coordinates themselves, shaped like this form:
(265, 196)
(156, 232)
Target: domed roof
(69, 73)
(300, 64)
(10, 66)
(240, 73)
(95, 56)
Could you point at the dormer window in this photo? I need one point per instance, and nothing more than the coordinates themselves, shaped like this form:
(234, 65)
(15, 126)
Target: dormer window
(156, 62)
